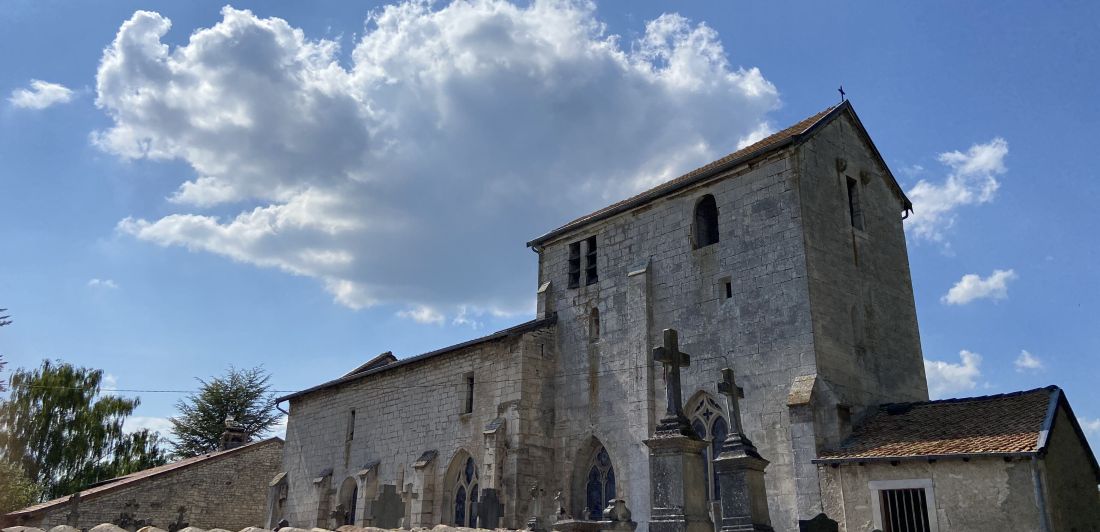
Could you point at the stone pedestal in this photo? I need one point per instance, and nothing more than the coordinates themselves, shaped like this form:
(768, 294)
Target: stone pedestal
(677, 483)
(741, 478)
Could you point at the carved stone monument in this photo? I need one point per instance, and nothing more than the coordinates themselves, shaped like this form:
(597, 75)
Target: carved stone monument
(740, 471)
(389, 508)
(677, 479)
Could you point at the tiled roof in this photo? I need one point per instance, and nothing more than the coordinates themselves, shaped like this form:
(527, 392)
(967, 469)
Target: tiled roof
(997, 425)
(748, 153)
(127, 480)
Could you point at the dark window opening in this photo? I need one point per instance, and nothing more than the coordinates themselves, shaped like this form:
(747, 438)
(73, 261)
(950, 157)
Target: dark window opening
(351, 425)
(594, 324)
(574, 264)
(469, 406)
(729, 289)
(590, 275)
(706, 222)
(855, 211)
(600, 487)
(904, 510)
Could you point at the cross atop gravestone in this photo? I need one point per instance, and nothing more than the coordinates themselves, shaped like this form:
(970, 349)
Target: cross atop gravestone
(736, 439)
(729, 388)
(670, 356)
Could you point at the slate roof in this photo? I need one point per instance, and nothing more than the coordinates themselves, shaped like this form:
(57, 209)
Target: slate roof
(765, 146)
(136, 477)
(1012, 424)
(357, 374)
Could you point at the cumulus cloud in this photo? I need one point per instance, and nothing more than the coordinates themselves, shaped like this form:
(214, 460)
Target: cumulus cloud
(972, 287)
(1028, 362)
(109, 383)
(948, 378)
(971, 180)
(413, 173)
(1091, 426)
(423, 314)
(40, 95)
(102, 283)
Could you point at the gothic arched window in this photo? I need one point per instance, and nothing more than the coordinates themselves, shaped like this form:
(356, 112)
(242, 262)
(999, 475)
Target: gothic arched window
(710, 425)
(706, 222)
(466, 495)
(600, 486)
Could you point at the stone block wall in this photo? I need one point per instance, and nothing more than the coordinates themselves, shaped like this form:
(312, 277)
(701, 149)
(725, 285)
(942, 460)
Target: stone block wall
(229, 490)
(652, 278)
(407, 411)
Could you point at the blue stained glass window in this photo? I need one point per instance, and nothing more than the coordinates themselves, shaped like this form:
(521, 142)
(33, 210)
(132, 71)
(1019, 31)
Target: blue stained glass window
(600, 486)
(610, 493)
(594, 494)
(473, 506)
(460, 507)
(469, 470)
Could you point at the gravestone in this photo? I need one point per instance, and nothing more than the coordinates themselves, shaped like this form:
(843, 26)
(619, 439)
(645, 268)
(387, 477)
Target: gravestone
(389, 509)
(740, 471)
(489, 509)
(820, 523)
(678, 480)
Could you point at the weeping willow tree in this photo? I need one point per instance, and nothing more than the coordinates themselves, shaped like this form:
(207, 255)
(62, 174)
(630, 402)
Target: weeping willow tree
(59, 427)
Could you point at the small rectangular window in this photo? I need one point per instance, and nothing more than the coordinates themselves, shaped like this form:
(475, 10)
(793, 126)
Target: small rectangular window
(469, 406)
(574, 264)
(590, 275)
(729, 289)
(855, 210)
(351, 425)
(904, 510)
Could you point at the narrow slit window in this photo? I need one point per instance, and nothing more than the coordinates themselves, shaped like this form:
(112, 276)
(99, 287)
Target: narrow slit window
(855, 210)
(706, 222)
(574, 265)
(729, 290)
(590, 274)
(351, 425)
(468, 407)
(594, 324)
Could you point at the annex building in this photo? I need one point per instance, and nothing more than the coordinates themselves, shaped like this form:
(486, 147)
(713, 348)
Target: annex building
(785, 261)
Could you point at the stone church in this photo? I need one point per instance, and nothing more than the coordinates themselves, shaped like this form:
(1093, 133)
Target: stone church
(785, 261)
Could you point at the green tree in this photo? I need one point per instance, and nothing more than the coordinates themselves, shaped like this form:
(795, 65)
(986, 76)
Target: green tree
(66, 434)
(16, 490)
(243, 394)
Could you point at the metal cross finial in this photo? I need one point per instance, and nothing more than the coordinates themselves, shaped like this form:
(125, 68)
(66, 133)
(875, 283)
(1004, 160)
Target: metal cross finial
(673, 359)
(728, 387)
(841, 90)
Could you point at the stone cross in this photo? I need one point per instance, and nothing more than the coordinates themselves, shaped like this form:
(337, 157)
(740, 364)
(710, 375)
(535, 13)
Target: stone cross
(728, 387)
(673, 359)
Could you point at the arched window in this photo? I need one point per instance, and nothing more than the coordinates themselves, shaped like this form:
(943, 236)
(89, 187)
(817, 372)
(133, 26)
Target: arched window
(600, 486)
(706, 222)
(466, 495)
(710, 425)
(594, 324)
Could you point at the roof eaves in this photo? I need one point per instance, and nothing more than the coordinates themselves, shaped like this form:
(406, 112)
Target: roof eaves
(517, 329)
(1048, 427)
(665, 189)
(916, 457)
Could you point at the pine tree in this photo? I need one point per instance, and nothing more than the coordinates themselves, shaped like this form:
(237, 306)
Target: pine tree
(243, 395)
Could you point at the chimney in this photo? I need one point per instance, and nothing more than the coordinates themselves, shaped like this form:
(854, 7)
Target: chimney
(234, 435)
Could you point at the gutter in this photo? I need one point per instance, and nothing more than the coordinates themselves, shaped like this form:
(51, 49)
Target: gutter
(1040, 499)
(961, 456)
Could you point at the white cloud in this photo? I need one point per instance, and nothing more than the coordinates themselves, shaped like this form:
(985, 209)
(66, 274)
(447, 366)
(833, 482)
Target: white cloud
(160, 425)
(947, 378)
(279, 430)
(972, 287)
(109, 383)
(1090, 426)
(413, 174)
(40, 95)
(423, 314)
(102, 283)
(1028, 362)
(972, 180)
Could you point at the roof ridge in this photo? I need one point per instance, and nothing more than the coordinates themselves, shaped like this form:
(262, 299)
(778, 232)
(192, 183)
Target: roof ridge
(764, 146)
(1049, 388)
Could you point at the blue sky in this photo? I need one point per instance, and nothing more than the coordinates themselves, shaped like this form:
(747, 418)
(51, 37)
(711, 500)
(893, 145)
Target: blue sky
(297, 186)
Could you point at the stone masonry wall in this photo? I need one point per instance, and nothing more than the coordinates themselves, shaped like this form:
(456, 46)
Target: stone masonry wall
(227, 491)
(1069, 480)
(401, 414)
(650, 278)
(982, 495)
